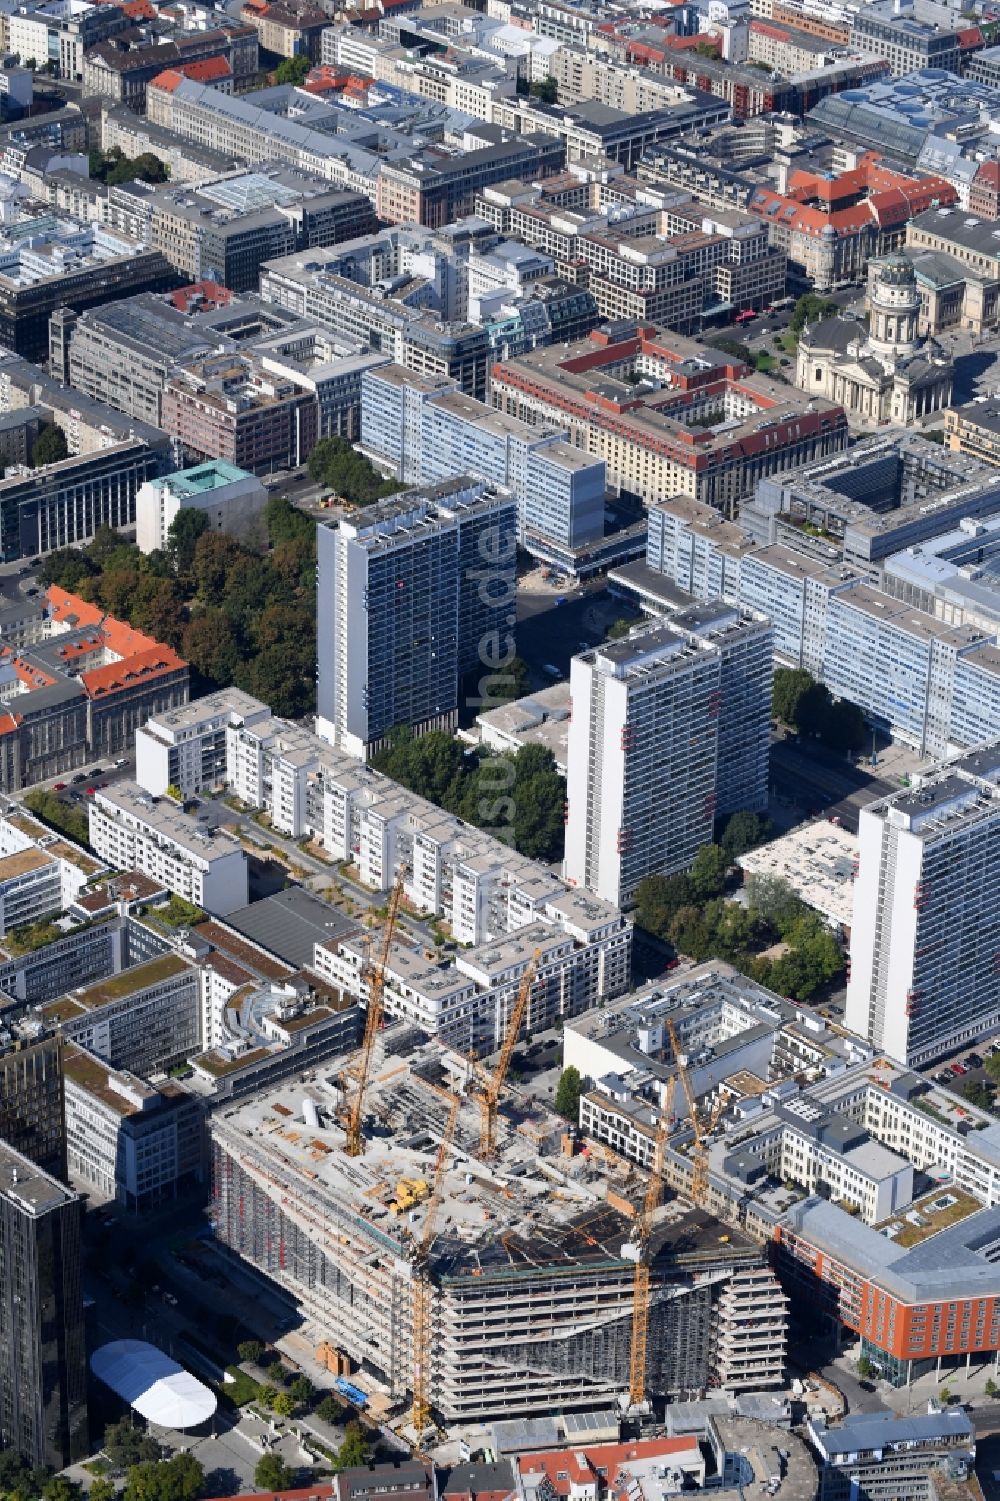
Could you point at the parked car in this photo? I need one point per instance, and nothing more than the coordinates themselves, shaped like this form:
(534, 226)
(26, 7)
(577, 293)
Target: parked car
(974, 1060)
(958, 1069)
(58, 786)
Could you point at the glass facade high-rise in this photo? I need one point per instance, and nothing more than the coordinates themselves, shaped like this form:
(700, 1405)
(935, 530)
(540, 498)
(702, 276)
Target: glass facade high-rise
(43, 1371)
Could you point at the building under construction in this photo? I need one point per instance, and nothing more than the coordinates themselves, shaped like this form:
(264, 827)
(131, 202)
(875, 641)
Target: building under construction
(530, 1257)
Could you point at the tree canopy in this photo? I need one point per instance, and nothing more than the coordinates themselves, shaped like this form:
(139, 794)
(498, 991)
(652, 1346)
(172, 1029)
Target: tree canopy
(238, 617)
(114, 167)
(291, 70)
(181, 1478)
(810, 308)
(126, 1446)
(50, 446)
(809, 708)
(515, 796)
(568, 1092)
(336, 463)
(271, 1473)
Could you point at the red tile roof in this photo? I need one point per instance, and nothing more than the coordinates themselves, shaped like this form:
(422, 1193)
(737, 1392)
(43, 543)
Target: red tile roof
(167, 81)
(598, 1464)
(141, 667)
(208, 70)
(206, 296)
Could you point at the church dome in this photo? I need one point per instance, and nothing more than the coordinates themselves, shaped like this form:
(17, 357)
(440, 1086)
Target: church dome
(897, 271)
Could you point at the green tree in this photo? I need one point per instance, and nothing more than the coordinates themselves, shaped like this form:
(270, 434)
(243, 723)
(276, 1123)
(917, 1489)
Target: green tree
(743, 831)
(979, 1093)
(68, 567)
(845, 728)
(128, 1447)
(283, 1404)
(545, 89)
(329, 1410)
(707, 876)
(776, 902)
(209, 644)
(292, 70)
(272, 1474)
(50, 446)
(65, 817)
(658, 899)
(59, 1488)
(503, 684)
(181, 1478)
(182, 538)
(690, 933)
(568, 1092)
(215, 555)
(539, 795)
(286, 523)
(18, 1481)
(810, 308)
(250, 1350)
(157, 611)
(301, 1390)
(619, 629)
(736, 349)
(353, 1452)
(865, 1368)
(101, 1489)
(335, 463)
(945, 1395)
(991, 1387)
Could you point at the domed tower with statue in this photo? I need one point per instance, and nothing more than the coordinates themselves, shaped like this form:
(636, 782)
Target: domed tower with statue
(886, 372)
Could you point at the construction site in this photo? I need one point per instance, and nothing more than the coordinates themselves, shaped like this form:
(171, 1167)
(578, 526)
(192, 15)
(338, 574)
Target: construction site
(468, 1280)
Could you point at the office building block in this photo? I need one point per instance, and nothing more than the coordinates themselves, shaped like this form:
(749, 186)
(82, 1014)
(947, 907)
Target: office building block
(43, 1357)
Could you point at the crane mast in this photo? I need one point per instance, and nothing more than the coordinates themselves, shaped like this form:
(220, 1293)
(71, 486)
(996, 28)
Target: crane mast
(373, 1020)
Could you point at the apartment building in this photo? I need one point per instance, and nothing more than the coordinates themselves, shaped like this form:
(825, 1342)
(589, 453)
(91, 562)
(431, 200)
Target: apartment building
(427, 430)
(693, 546)
(467, 876)
(231, 406)
(64, 263)
(127, 1141)
(39, 876)
(186, 747)
(408, 599)
(43, 1354)
(60, 33)
(745, 642)
(907, 42)
(974, 429)
(799, 1101)
(288, 28)
(642, 760)
(79, 692)
(133, 831)
(830, 227)
(703, 427)
(923, 981)
(145, 1019)
(436, 190)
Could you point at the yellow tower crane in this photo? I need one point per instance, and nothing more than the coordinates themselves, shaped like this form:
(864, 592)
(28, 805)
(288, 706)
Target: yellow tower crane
(422, 1287)
(373, 1020)
(489, 1097)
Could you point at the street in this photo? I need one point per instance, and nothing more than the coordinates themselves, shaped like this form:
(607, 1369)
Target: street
(819, 782)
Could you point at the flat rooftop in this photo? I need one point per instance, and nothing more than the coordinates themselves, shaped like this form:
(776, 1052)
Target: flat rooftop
(289, 924)
(817, 861)
(26, 1187)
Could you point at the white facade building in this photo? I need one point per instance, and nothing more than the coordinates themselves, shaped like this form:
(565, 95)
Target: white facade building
(232, 500)
(925, 978)
(134, 831)
(186, 747)
(41, 873)
(670, 728)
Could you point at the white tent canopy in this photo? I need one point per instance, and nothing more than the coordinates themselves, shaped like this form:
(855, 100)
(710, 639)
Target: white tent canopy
(156, 1387)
